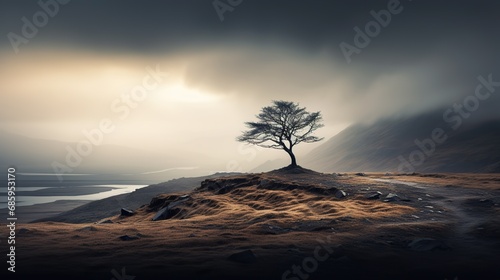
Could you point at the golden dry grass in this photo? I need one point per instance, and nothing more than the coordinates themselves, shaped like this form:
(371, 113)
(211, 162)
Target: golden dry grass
(280, 217)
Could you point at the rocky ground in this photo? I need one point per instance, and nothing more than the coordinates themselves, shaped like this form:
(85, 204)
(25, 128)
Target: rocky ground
(285, 224)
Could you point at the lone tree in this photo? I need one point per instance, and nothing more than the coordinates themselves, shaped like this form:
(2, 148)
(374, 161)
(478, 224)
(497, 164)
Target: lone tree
(282, 126)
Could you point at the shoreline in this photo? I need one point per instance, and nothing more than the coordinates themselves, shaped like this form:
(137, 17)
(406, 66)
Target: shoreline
(53, 194)
(45, 202)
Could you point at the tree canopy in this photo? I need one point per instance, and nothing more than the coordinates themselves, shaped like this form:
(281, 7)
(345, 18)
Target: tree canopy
(282, 126)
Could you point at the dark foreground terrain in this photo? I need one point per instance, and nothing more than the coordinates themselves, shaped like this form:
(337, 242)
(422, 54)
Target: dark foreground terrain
(286, 224)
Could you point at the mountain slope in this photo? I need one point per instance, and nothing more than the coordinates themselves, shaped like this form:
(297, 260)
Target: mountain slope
(386, 146)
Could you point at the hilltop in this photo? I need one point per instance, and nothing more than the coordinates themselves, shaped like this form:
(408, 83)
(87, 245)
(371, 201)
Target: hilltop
(284, 224)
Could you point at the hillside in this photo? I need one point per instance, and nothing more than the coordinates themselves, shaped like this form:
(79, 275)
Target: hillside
(473, 147)
(282, 224)
(110, 206)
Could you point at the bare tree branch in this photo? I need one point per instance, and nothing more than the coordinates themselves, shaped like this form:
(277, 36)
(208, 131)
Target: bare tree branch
(282, 126)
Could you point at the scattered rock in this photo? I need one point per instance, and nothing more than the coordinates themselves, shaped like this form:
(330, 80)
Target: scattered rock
(415, 216)
(127, 238)
(210, 185)
(161, 215)
(360, 174)
(192, 235)
(430, 207)
(479, 203)
(427, 244)
(126, 212)
(374, 195)
(340, 194)
(388, 174)
(391, 197)
(246, 256)
(169, 211)
(223, 186)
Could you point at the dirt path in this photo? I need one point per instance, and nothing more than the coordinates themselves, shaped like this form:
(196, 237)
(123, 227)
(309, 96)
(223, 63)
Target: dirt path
(468, 209)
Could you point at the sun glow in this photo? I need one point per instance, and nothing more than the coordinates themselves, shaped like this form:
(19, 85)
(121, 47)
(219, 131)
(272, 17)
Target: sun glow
(179, 92)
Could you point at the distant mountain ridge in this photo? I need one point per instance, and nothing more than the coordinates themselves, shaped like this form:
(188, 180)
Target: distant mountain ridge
(391, 146)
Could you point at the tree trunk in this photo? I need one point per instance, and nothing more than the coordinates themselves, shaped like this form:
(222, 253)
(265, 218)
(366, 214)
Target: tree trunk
(292, 157)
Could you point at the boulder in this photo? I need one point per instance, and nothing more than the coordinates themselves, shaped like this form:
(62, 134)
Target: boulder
(126, 212)
(161, 215)
(373, 195)
(169, 211)
(340, 194)
(391, 197)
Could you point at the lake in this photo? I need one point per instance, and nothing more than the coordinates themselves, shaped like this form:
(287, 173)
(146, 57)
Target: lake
(32, 190)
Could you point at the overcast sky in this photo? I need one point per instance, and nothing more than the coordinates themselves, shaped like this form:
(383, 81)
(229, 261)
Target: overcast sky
(75, 70)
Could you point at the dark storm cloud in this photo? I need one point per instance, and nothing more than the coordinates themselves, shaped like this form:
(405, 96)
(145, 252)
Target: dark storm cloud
(430, 48)
(163, 25)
